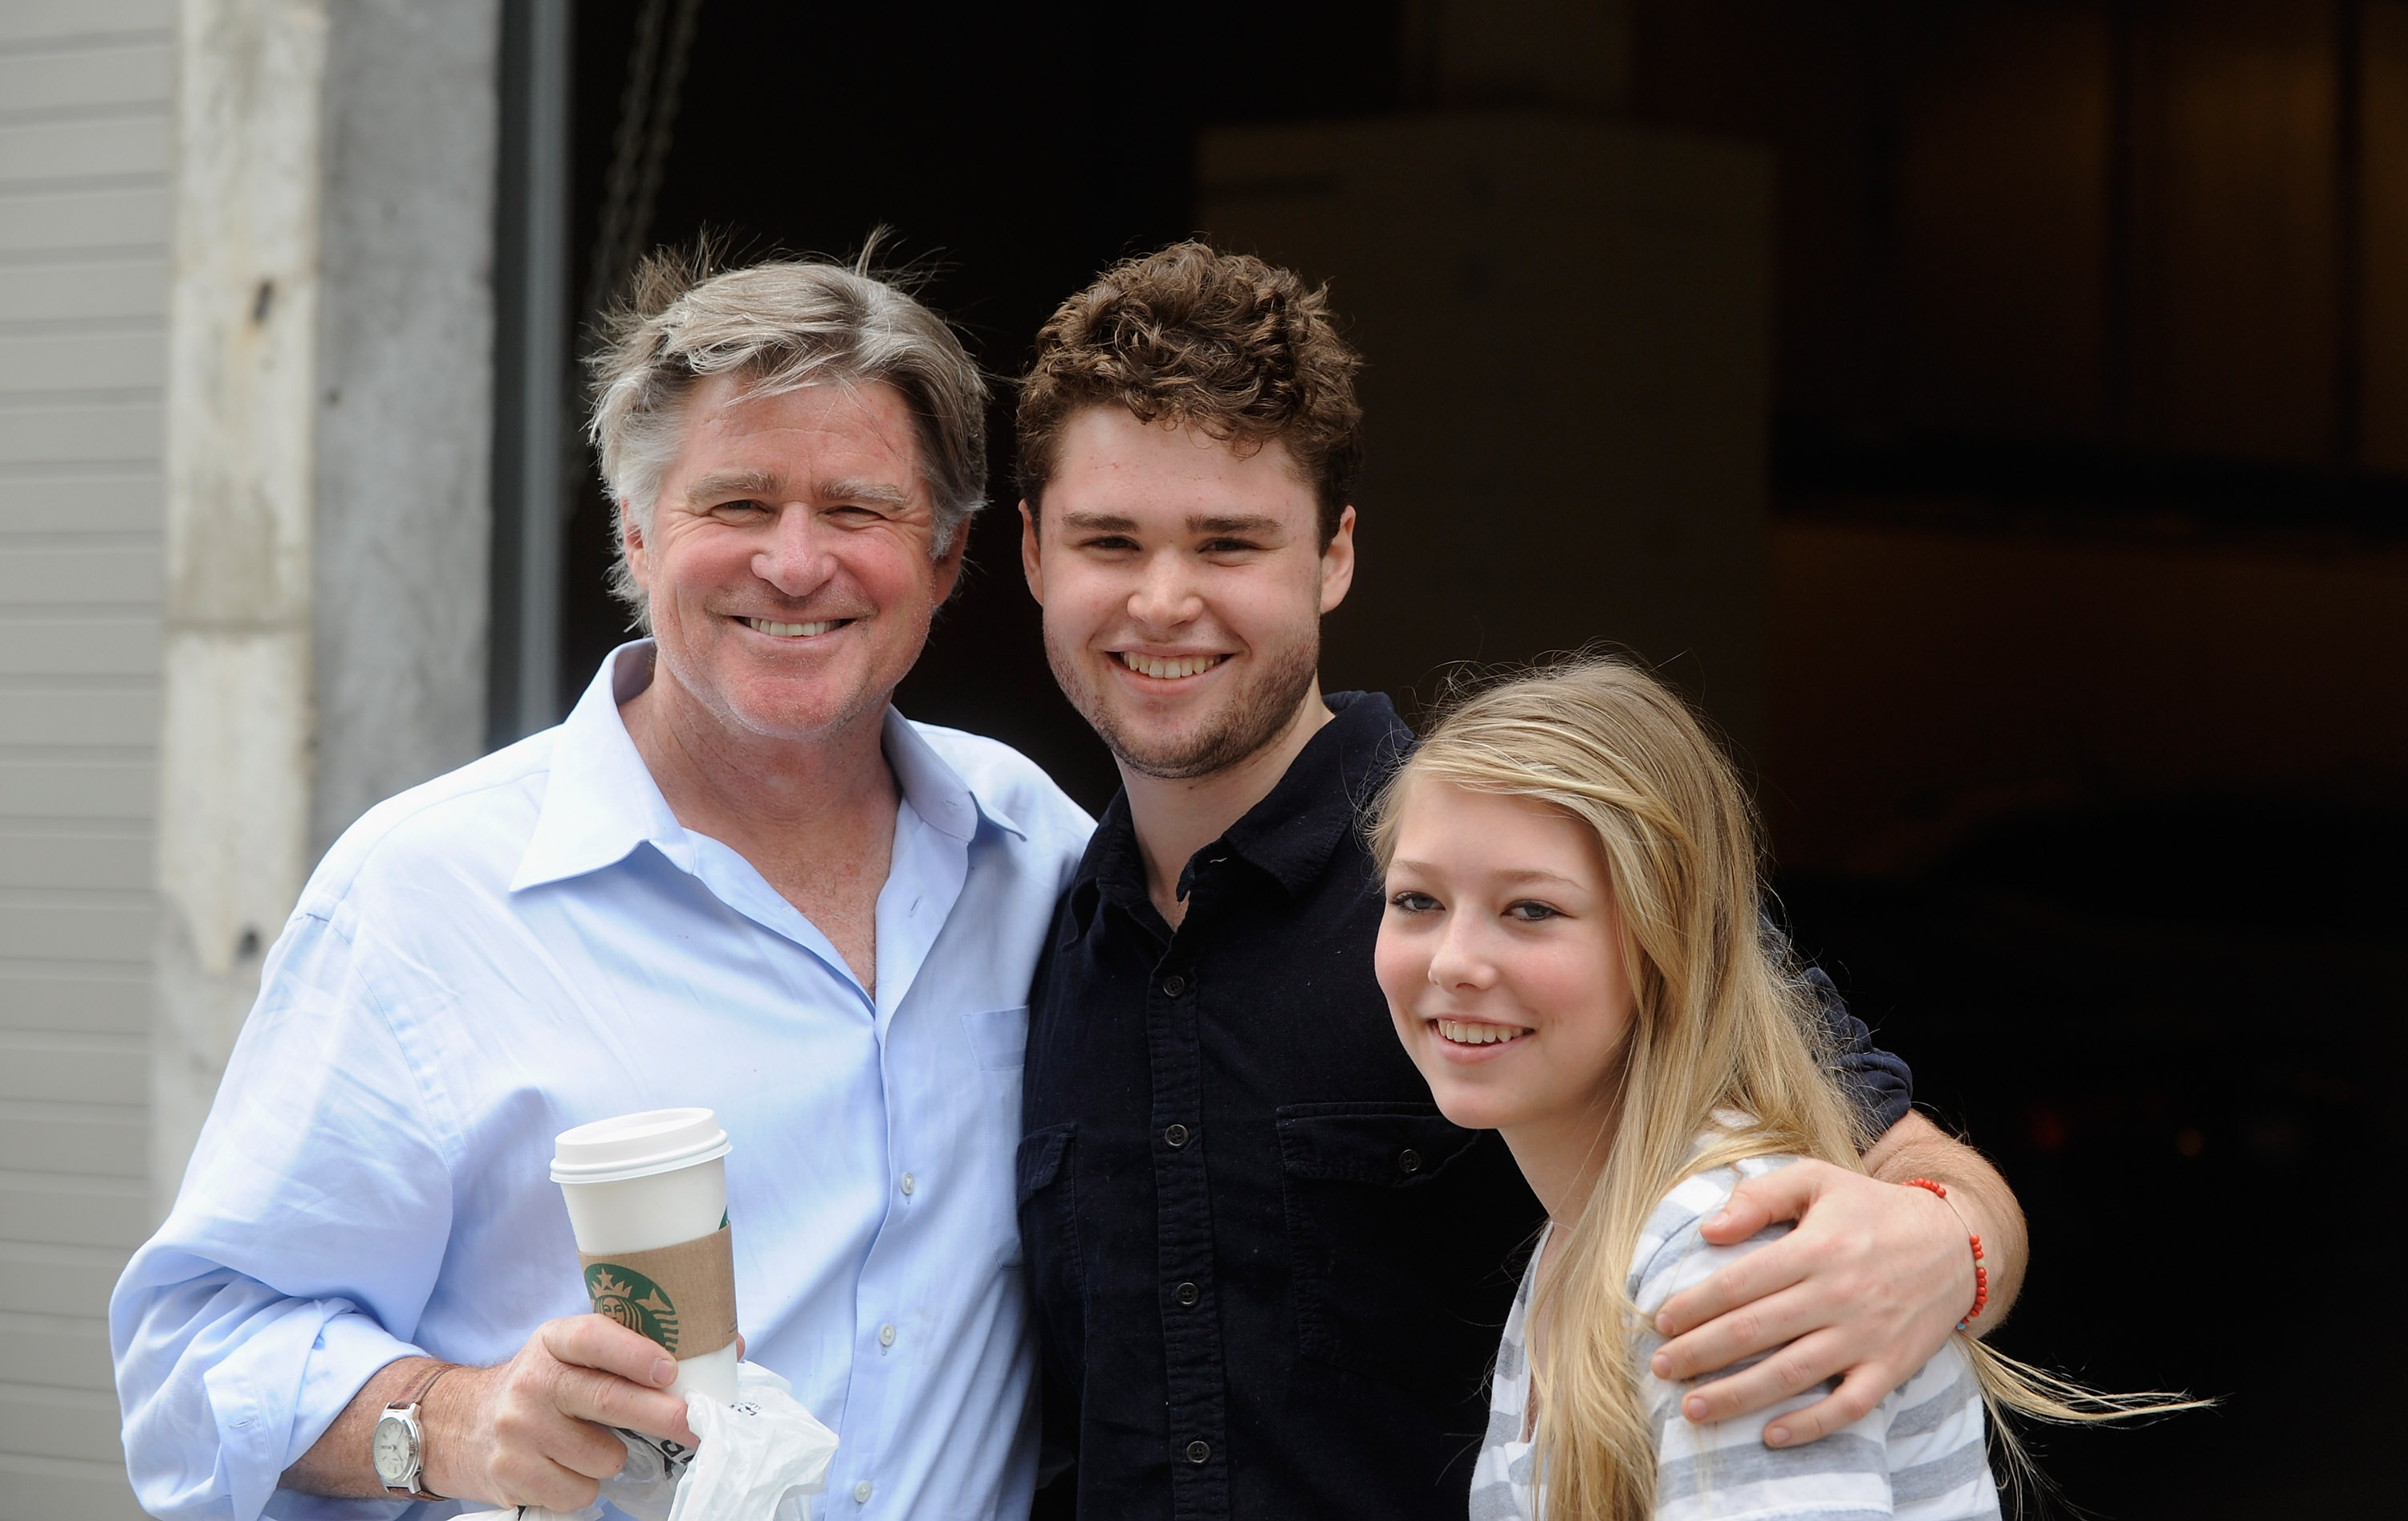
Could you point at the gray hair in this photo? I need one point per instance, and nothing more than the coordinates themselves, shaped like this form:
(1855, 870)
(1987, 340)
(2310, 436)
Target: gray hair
(784, 326)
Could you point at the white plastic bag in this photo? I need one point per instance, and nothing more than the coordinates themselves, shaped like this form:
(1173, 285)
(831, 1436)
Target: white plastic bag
(758, 1457)
(756, 1454)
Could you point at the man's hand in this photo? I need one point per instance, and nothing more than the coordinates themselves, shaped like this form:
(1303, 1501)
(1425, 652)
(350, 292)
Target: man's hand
(1866, 1287)
(533, 1430)
(528, 1432)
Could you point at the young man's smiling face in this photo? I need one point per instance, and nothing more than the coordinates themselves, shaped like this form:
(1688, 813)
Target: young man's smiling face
(1183, 584)
(788, 565)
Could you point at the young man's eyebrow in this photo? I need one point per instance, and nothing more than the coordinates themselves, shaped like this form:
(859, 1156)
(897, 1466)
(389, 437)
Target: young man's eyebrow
(1199, 523)
(1100, 522)
(1234, 523)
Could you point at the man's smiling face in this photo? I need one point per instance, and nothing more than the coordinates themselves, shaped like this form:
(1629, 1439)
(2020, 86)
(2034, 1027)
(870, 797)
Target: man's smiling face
(1184, 585)
(788, 563)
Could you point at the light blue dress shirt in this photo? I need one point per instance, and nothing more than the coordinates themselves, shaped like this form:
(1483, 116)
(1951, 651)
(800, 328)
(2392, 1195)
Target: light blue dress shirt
(532, 943)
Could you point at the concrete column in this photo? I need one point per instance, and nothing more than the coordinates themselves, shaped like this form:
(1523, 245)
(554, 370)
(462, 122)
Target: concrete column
(242, 351)
(329, 433)
(405, 400)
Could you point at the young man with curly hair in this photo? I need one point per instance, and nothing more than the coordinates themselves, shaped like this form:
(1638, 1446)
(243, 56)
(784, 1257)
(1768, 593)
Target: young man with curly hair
(1269, 1273)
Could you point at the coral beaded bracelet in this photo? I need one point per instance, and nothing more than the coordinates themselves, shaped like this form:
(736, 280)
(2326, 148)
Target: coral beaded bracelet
(1981, 1274)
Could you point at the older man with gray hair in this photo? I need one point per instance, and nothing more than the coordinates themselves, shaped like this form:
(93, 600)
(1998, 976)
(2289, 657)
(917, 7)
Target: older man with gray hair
(733, 877)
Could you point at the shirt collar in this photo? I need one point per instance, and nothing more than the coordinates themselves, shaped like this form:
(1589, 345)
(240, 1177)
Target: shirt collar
(934, 789)
(1292, 833)
(601, 801)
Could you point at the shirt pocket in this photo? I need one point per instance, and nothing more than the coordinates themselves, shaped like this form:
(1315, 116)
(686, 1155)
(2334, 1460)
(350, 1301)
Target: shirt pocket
(1047, 1189)
(998, 1038)
(1399, 1223)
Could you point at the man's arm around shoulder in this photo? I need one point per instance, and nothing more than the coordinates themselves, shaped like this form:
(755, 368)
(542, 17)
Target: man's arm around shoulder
(1872, 1281)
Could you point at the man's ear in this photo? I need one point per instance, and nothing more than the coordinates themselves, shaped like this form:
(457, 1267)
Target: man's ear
(1030, 564)
(1337, 563)
(631, 539)
(949, 565)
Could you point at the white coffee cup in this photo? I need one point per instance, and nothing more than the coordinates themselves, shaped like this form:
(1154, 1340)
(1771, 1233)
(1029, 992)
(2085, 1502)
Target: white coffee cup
(639, 1182)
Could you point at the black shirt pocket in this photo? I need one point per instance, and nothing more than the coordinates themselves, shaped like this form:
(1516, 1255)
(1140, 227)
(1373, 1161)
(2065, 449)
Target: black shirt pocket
(1045, 1178)
(1398, 1224)
(1046, 1174)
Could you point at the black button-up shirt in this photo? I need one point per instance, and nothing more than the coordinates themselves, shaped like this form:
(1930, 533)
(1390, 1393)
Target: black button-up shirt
(1269, 1275)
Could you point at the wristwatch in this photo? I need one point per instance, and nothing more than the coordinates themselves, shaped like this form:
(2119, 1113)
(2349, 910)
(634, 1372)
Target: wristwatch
(398, 1448)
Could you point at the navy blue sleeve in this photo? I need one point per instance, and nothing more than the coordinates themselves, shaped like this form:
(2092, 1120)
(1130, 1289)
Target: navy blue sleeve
(1880, 1083)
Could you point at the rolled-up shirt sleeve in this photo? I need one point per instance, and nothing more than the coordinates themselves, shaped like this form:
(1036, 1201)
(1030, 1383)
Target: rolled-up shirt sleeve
(301, 1251)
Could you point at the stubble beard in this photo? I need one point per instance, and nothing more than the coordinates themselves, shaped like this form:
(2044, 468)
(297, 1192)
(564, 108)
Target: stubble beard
(1253, 717)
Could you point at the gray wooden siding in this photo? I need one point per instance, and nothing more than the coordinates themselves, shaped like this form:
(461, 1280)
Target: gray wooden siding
(83, 292)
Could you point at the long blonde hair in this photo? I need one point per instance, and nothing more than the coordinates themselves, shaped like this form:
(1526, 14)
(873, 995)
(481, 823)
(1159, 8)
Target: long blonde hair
(1721, 1026)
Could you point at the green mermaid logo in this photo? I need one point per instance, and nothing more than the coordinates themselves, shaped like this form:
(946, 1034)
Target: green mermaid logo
(633, 1301)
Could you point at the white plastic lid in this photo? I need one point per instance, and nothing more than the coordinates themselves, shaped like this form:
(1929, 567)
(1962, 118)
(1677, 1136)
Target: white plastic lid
(638, 1145)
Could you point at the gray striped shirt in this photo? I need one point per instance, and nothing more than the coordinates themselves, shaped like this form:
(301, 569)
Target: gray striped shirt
(1917, 1456)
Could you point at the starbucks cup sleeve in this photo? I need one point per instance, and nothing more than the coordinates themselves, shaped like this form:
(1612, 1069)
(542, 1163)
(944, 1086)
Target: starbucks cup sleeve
(683, 1297)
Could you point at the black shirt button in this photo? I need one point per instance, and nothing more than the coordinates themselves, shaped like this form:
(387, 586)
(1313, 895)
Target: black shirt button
(1199, 1451)
(1173, 986)
(1410, 1160)
(1175, 1137)
(1189, 1294)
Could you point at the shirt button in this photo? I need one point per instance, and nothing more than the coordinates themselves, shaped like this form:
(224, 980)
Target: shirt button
(1175, 1137)
(908, 1185)
(887, 1336)
(1173, 986)
(1199, 1451)
(1410, 1160)
(861, 1493)
(1189, 1294)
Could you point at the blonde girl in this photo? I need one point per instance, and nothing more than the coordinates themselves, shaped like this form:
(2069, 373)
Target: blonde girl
(1573, 955)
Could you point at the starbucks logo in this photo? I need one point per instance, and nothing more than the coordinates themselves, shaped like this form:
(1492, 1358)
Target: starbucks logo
(633, 1301)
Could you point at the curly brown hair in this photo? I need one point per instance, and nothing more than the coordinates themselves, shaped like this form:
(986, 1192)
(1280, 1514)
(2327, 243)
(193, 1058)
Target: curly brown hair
(1220, 342)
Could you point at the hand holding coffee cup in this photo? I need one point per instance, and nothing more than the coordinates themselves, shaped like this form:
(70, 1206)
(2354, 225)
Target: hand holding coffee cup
(647, 1199)
(536, 1430)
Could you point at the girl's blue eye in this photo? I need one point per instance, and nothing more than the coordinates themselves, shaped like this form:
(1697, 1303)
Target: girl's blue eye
(1531, 913)
(1414, 902)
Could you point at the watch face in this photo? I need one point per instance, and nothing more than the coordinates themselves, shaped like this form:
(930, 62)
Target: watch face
(389, 1450)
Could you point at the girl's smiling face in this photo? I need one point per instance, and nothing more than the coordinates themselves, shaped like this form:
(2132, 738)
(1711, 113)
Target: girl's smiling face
(1500, 953)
